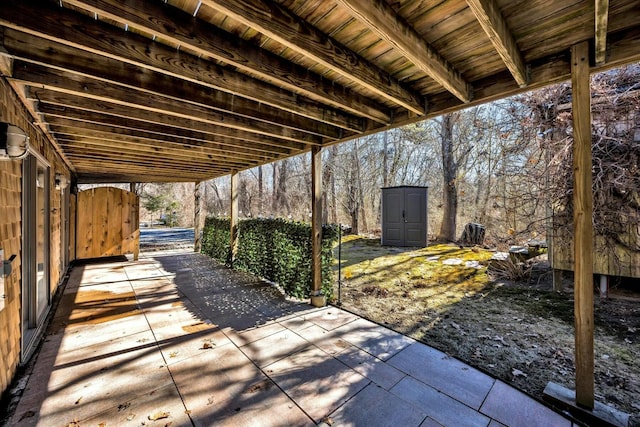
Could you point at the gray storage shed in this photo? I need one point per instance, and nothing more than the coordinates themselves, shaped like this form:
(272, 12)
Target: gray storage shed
(404, 216)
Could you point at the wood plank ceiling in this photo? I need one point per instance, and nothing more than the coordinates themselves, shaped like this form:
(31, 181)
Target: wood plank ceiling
(187, 90)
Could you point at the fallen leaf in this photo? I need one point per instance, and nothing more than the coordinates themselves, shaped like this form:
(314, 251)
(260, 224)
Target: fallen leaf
(518, 373)
(328, 421)
(206, 345)
(130, 417)
(159, 415)
(173, 354)
(102, 424)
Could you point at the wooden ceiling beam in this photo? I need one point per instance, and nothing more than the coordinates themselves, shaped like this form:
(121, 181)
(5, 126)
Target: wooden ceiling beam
(131, 117)
(108, 166)
(33, 49)
(175, 90)
(110, 178)
(97, 90)
(75, 29)
(143, 129)
(116, 141)
(101, 154)
(67, 124)
(602, 20)
(381, 19)
(493, 23)
(72, 141)
(289, 30)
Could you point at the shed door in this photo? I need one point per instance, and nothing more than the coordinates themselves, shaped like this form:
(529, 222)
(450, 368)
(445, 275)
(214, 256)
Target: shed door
(415, 221)
(392, 212)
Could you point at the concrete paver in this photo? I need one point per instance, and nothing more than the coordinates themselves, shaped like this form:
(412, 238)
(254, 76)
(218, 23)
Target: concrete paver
(176, 339)
(444, 373)
(514, 408)
(374, 407)
(438, 406)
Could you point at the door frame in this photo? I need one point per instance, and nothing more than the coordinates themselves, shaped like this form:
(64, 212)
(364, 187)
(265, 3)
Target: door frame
(32, 313)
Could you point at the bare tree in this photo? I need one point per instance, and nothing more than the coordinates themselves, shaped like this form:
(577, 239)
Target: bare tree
(449, 177)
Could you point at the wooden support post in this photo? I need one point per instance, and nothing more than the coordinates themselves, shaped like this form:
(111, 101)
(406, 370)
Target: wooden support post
(557, 280)
(197, 217)
(233, 243)
(316, 221)
(582, 224)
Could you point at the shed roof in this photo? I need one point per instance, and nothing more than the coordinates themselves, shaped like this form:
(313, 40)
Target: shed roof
(187, 90)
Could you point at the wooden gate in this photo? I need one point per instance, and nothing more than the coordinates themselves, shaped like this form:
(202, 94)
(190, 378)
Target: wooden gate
(107, 223)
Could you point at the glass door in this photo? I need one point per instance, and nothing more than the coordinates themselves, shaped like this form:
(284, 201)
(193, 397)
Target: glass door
(36, 295)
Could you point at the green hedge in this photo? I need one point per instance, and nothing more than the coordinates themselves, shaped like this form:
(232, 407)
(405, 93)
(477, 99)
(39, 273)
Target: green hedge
(215, 239)
(274, 249)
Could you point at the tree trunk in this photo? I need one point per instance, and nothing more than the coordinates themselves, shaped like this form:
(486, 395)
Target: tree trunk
(260, 191)
(449, 172)
(385, 166)
(354, 211)
(282, 199)
(244, 201)
(218, 198)
(327, 176)
(360, 194)
(274, 189)
(334, 202)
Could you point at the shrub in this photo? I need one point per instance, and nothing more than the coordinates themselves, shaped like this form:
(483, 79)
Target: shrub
(274, 249)
(215, 239)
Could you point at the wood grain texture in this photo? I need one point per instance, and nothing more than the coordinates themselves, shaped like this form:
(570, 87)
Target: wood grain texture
(493, 23)
(602, 20)
(316, 219)
(107, 223)
(382, 20)
(582, 225)
(33, 49)
(294, 33)
(96, 37)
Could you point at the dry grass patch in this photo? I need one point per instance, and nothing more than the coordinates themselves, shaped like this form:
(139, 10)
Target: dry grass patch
(520, 332)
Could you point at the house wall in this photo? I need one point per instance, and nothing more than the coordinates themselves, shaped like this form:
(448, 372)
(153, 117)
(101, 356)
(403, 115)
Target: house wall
(13, 111)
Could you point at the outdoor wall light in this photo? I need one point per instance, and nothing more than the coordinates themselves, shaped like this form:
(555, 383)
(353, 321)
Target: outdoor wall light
(14, 142)
(61, 181)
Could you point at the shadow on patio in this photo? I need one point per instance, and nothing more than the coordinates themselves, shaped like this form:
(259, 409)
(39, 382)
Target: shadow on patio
(176, 339)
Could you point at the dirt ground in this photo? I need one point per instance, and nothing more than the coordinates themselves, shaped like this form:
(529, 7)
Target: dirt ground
(519, 331)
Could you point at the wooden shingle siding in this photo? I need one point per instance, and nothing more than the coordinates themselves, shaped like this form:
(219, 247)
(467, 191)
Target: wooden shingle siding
(12, 111)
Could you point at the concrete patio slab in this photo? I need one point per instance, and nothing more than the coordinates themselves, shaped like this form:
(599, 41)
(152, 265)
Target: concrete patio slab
(328, 341)
(316, 381)
(376, 407)
(176, 339)
(438, 406)
(274, 347)
(514, 408)
(382, 374)
(444, 373)
(261, 405)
